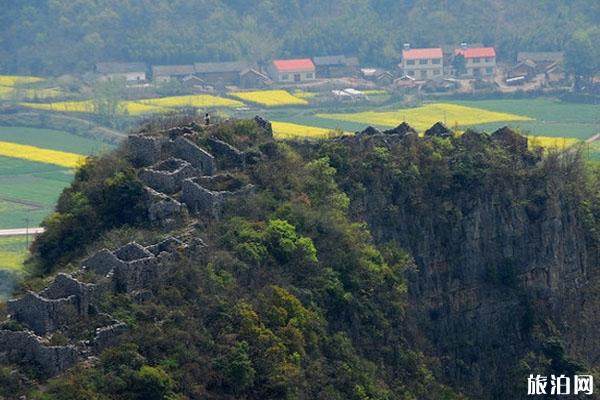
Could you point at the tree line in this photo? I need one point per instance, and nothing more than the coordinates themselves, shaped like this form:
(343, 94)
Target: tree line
(50, 37)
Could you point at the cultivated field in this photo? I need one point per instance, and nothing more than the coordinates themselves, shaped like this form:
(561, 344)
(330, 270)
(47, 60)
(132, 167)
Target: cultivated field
(549, 117)
(37, 154)
(422, 118)
(13, 80)
(286, 130)
(63, 106)
(270, 98)
(29, 189)
(12, 252)
(196, 101)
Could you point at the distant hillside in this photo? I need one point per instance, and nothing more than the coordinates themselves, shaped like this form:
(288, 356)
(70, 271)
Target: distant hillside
(51, 37)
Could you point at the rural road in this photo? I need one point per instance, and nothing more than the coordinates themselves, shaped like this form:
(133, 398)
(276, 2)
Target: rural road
(21, 231)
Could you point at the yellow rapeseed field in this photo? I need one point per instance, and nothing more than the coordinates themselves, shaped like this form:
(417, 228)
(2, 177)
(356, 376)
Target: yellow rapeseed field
(12, 80)
(287, 130)
(270, 98)
(136, 108)
(32, 153)
(548, 142)
(305, 95)
(63, 106)
(196, 101)
(422, 118)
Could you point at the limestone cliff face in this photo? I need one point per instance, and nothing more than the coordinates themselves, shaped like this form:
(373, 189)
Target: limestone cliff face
(497, 263)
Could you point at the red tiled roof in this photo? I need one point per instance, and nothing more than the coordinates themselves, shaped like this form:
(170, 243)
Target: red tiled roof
(476, 52)
(417, 54)
(303, 64)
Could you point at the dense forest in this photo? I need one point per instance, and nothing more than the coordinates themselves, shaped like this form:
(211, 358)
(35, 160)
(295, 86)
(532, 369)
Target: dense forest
(58, 36)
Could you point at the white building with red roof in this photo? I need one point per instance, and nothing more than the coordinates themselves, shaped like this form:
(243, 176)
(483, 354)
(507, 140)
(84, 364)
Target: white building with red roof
(422, 64)
(296, 70)
(479, 61)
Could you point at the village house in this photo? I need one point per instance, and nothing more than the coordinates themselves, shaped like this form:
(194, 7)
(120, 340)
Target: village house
(223, 73)
(164, 73)
(127, 71)
(251, 78)
(479, 61)
(336, 66)
(422, 64)
(541, 61)
(297, 70)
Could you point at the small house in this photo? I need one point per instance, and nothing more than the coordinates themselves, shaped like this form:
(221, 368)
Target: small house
(336, 66)
(127, 71)
(526, 68)
(480, 62)
(296, 70)
(193, 82)
(251, 78)
(541, 59)
(164, 73)
(223, 73)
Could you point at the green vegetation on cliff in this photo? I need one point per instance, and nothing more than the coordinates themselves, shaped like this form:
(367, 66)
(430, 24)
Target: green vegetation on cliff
(360, 268)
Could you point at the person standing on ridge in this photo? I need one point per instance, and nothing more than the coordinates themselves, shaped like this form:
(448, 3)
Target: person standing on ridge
(206, 119)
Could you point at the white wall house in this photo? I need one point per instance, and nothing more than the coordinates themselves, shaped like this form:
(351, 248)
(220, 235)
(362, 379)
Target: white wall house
(297, 70)
(479, 61)
(422, 64)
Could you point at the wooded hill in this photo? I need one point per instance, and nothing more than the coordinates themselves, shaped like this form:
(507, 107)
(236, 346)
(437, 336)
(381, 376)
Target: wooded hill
(57, 36)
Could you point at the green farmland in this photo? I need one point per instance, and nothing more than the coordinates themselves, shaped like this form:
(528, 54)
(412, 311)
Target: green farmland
(551, 117)
(29, 190)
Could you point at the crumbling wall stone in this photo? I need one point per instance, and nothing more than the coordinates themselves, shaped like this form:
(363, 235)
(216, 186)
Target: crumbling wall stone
(44, 315)
(22, 347)
(187, 150)
(102, 263)
(230, 156)
(199, 199)
(144, 150)
(109, 336)
(65, 286)
(163, 209)
(166, 176)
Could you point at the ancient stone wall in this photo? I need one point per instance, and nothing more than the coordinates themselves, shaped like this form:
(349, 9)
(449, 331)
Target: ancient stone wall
(44, 315)
(166, 176)
(187, 150)
(144, 150)
(25, 348)
(228, 156)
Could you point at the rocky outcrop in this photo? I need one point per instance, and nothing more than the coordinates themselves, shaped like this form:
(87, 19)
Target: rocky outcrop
(402, 130)
(439, 130)
(510, 139)
(369, 130)
(264, 125)
(25, 348)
